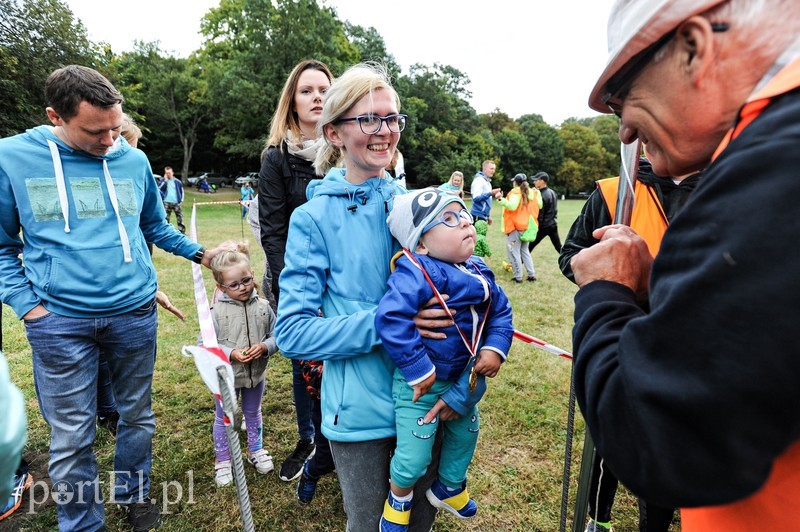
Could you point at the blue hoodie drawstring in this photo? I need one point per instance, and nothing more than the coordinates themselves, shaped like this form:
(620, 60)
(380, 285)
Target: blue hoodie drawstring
(353, 207)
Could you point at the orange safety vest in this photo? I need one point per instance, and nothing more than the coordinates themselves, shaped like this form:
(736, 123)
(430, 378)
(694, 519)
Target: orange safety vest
(519, 217)
(776, 505)
(648, 218)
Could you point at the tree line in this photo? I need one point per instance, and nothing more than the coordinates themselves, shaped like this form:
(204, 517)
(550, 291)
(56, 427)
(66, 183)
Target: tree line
(211, 111)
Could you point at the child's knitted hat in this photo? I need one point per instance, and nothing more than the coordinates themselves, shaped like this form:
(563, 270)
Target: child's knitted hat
(413, 211)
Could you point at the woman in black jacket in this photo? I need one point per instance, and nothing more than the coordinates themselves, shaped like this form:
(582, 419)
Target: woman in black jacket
(285, 173)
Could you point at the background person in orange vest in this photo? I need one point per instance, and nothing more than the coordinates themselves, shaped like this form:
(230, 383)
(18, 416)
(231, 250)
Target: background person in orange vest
(657, 201)
(520, 209)
(694, 403)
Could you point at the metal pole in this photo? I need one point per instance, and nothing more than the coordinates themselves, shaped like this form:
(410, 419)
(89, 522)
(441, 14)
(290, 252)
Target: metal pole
(239, 480)
(629, 169)
(582, 497)
(568, 454)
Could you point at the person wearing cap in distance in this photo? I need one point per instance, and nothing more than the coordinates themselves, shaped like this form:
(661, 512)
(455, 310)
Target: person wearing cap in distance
(520, 209)
(436, 232)
(548, 214)
(694, 403)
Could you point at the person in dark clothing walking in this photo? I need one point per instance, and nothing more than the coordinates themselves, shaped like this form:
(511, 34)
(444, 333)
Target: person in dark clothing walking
(548, 214)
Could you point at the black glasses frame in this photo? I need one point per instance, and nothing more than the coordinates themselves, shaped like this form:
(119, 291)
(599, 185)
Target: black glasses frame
(401, 122)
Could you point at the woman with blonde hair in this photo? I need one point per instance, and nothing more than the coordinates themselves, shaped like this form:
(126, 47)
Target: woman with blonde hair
(286, 171)
(455, 185)
(338, 260)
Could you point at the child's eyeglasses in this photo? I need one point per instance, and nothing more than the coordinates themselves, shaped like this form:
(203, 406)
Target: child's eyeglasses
(236, 284)
(450, 219)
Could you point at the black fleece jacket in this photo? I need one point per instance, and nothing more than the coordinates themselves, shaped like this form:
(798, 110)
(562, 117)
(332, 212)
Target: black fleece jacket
(690, 403)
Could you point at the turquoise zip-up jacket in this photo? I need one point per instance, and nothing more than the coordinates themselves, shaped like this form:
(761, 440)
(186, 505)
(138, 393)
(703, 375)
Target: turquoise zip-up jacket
(337, 261)
(84, 257)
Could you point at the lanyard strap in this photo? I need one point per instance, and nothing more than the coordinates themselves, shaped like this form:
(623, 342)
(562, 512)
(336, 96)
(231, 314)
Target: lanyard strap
(472, 346)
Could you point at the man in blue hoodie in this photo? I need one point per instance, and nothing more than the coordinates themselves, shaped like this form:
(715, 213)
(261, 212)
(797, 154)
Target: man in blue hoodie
(87, 204)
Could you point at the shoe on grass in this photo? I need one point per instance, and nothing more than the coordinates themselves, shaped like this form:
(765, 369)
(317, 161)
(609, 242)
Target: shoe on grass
(306, 486)
(292, 467)
(594, 526)
(108, 421)
(396, 515)
(457, 502)
(223, 474)
(261, 460)
(143, 516)
(22, 481)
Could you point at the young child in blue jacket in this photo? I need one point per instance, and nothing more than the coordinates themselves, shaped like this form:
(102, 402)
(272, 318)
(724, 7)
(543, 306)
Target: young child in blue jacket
(436, 232)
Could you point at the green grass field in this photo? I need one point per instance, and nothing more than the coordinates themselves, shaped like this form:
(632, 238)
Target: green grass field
(516, 476)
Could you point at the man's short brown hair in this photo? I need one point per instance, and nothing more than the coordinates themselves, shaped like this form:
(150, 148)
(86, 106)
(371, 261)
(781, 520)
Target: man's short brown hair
(67, 87)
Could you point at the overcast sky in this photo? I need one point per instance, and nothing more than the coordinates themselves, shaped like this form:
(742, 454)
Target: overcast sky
(521, 56)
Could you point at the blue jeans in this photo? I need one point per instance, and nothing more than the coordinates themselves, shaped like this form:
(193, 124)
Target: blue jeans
(106, 403)
(66, 354)
(302, 403)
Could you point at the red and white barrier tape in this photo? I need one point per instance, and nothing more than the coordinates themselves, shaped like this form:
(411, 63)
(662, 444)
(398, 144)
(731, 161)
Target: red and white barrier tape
(541, 344)
(208, 356)
(236, 202)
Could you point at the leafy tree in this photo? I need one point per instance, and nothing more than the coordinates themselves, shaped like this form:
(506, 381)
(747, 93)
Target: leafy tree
(584, 157)
(607, 128)
(435, 98)
(546, 145)
(169, 95)
(371, 47)
(250, 47)
(36, 37)
(515, 155)
(497, 121)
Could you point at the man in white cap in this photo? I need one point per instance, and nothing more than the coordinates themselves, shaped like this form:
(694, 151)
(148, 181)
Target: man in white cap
(698, 396)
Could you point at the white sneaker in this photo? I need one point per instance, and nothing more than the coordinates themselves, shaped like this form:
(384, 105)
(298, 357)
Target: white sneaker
(262, 461)
(223, 475)
(243, 426)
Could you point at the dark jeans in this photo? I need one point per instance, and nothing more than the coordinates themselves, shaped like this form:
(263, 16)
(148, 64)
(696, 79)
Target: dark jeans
(552, 232)
(302, 403)
(322, 461)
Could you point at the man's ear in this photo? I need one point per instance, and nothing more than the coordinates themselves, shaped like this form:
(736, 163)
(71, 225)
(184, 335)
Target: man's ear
(332, 135)
(696, 46)
(421, 249)
(54, 117)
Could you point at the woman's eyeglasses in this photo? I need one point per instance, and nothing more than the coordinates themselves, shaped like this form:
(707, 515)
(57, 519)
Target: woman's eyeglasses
(236, 284)
(450, 219)
(371, 124)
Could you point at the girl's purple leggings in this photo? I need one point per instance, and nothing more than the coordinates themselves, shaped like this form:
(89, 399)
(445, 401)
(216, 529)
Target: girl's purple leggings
(251, 407)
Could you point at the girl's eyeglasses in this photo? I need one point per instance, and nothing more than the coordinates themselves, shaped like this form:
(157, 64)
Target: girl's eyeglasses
(236, 284)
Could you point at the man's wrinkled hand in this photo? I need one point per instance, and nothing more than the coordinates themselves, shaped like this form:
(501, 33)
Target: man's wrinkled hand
(621, 257)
